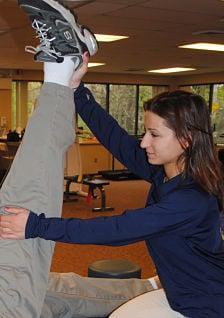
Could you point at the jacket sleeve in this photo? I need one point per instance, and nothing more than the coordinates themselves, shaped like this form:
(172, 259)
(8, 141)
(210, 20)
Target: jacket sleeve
(169, 215)
(124, 147)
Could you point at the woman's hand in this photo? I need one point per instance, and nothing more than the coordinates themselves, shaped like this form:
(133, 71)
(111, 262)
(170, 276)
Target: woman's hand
(12, 226)
(80, 72)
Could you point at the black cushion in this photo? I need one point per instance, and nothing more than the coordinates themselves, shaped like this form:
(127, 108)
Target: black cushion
(114, 268)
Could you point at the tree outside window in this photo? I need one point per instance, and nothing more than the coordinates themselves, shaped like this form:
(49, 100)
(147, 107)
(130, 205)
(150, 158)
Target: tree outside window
(202, 90)
(218, 113)
(145, 93)
(122, 105)
(99, 93)
(33, 92)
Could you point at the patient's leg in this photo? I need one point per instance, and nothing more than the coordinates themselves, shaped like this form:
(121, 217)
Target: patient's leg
(72, 296)
(35, 181)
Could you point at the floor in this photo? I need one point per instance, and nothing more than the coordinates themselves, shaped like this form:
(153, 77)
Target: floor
(121, 195)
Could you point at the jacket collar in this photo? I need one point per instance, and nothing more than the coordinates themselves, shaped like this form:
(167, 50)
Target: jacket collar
(162, 188)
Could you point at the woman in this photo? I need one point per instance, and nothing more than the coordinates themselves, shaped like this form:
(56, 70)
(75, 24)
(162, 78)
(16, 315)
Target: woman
(180, 223)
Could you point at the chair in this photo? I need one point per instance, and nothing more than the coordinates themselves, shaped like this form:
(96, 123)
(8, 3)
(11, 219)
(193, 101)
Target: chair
(7, 154)
(3, 149)
(12, 147)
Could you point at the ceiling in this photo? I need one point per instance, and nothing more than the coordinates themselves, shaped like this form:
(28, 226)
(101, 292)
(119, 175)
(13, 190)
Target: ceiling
(155, 27)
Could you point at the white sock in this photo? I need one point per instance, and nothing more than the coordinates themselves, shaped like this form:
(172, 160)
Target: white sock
(59, 73)
(153, 282)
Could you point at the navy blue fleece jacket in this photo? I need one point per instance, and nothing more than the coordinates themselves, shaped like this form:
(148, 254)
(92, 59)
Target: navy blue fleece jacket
(180, 223)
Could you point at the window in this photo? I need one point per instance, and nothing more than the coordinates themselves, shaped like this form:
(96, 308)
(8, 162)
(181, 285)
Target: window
(125, 103)
(24, 95)
(122, 105)
(214, 96)
(218, 112)
(218, 96)
(145, 93)
(99, 93)
(33, 92)
(202, 90)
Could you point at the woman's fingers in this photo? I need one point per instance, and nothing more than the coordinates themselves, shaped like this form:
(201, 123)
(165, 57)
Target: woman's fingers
(4, 223)
(12, 225)
(14, 209)
(80, 72)
(9, 236)
(85, 58)
(6, 230)
(6, 219)
(8, 233)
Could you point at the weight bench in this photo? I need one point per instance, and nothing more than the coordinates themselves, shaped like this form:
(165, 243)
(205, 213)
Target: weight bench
(93, 184)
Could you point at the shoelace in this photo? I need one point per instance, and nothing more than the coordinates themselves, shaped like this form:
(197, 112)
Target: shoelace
(45, 42)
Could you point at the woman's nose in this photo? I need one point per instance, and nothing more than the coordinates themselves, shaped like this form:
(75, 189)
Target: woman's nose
(145, 141)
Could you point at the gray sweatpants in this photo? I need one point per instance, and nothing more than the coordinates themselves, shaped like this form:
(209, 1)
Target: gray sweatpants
(35, 182)
(72, 296)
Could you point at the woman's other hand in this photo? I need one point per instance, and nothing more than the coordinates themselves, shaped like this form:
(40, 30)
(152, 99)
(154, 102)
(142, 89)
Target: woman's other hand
(80, 72)
(12, 225)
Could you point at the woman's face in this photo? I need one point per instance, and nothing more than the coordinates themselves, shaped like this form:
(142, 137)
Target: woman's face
(160, 142)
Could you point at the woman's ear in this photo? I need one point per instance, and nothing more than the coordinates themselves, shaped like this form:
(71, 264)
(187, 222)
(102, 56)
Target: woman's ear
(186, 142)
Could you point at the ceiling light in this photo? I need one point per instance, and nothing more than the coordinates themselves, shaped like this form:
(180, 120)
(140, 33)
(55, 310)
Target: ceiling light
(203, 46)
(95, 64)
(109, 38)
(172, 70)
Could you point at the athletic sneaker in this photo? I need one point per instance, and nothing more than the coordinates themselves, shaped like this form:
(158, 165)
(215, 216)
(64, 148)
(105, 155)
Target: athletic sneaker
(58, 32)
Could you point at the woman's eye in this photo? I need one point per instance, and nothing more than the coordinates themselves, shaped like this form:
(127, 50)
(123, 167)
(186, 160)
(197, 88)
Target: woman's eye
(154, 135)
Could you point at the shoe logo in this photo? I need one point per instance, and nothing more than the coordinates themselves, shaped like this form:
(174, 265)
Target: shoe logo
(68, 35)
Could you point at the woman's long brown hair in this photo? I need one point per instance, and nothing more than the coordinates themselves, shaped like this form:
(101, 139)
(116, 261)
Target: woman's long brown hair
(188, 116)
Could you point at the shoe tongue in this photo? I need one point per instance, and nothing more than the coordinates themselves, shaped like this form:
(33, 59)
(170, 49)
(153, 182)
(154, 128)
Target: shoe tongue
(65, 31)
(68, 36)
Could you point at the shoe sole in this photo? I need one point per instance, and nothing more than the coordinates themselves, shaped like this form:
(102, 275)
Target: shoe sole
(88, 38)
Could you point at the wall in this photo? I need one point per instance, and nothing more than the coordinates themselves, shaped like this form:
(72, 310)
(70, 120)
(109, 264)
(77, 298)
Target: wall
(5, 102)
(172, 81)
(88, 158)
(198, 79)
(101, 78)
